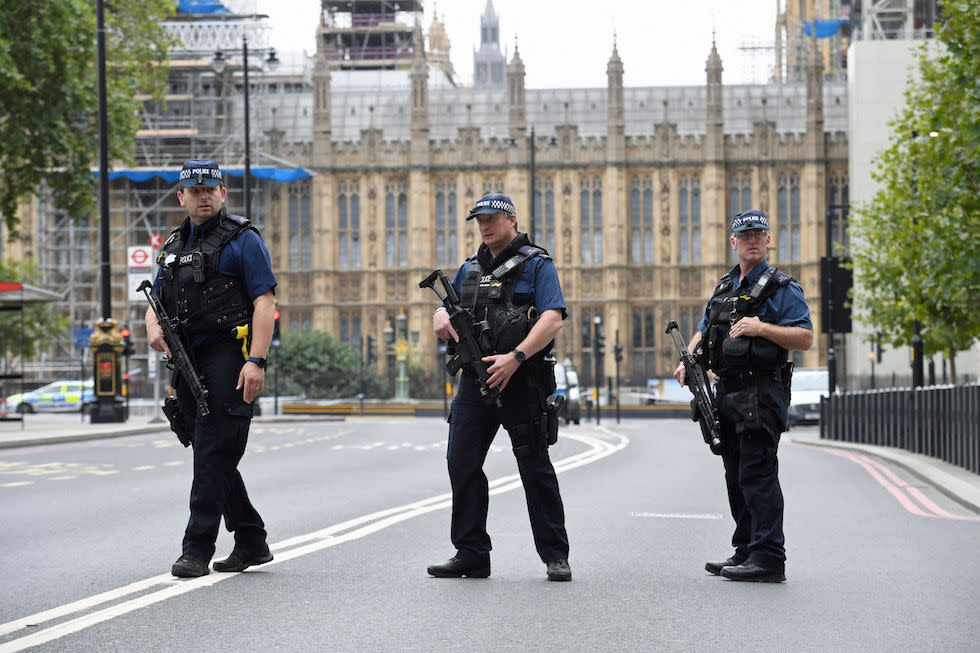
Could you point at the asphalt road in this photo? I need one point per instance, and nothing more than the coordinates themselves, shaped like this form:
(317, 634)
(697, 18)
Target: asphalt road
(355, 510)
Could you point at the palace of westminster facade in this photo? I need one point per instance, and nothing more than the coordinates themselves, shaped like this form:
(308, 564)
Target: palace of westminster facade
(633, 188)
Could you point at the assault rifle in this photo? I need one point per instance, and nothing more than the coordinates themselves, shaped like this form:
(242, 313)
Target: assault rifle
(179, 361)
(703, 405)
(474, 337)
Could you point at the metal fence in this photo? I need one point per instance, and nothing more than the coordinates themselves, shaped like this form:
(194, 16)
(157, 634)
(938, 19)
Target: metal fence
(938, 421)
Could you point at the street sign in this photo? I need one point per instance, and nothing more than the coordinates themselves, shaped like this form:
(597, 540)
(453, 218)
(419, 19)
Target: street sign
(156, 240)
(82, 336)
(139, 260)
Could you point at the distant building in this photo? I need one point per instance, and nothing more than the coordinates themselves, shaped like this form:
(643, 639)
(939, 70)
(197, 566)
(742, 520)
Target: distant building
(366, 159)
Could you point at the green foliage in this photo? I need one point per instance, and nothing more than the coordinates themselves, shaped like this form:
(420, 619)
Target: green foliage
(318, 366)
(424, 383)
(49, 92)
(40, 326)
(917, 245)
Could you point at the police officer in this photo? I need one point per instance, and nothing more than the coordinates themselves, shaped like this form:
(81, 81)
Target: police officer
(754, 318)
(514, 285)
(215, 275)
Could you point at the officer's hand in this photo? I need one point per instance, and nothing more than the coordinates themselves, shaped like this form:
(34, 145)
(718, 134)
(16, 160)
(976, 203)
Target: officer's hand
(251, 378)
(154, 338)
(443, 327)
(501, 368)
(747, 326)
(680, 373)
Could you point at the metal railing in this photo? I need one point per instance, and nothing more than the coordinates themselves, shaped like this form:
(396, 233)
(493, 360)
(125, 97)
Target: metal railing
(938, 421)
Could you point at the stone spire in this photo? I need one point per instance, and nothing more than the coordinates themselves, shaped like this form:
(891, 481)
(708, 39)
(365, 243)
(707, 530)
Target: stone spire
(419, 76)
(516, 96)
(489, 63)
(615, 108)
(439, 45)
(714, 114)
(321, 107)
(814, 101)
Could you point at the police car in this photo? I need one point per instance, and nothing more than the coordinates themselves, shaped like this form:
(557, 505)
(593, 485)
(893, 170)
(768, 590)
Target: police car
(60, 396)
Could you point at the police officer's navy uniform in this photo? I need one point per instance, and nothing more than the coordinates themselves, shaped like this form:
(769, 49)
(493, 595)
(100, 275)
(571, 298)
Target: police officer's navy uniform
(753, 400)
(474, 423)
(209, 277)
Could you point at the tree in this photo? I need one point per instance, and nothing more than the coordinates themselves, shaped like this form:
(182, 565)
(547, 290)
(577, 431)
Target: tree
(49, 93)
(916, 246)
(317, 365)
(22, 334)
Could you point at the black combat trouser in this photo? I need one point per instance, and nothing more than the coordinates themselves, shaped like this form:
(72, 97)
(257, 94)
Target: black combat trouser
(219, 443)
(752, 476)
(473, 425)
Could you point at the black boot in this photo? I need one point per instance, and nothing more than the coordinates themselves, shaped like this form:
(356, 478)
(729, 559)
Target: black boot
(456, 568)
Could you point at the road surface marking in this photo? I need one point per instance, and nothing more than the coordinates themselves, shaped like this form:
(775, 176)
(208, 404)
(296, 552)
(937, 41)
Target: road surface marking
(286, 550)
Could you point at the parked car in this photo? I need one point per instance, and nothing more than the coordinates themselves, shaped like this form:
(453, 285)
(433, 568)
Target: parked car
(566, 380)
(60, 396)
(809, 385)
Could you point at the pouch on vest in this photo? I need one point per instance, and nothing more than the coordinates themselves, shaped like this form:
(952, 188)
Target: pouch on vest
(737, 352)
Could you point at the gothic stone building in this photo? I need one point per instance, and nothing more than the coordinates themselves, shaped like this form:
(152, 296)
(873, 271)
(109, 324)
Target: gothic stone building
(632, 188)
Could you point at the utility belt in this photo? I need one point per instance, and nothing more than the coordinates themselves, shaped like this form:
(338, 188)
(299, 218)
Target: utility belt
(737, 381)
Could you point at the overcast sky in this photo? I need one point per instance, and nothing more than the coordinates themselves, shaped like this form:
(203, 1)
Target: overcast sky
(567, 43)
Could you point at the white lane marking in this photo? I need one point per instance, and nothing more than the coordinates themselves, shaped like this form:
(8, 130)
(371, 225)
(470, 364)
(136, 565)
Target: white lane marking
(311, 543)
(672, 515)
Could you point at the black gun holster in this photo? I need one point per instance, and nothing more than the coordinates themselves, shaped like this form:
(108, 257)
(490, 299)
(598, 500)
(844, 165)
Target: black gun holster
(179, 422)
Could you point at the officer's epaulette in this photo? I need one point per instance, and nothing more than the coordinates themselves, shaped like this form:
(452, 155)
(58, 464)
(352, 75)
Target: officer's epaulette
(535, 250)
(781, 278)
(724, 284)
(240, 219)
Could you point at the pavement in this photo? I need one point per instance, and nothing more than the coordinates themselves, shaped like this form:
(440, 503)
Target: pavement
(958, 483)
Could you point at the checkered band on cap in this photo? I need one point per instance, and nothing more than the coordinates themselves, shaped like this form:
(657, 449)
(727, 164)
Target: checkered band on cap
(753, 219)
(492, 203)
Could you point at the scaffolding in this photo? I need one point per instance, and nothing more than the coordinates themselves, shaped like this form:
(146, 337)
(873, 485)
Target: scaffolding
(200, 116)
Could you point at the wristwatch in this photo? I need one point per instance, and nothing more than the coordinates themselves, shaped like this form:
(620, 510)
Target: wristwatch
(261, 362)
(520, 356)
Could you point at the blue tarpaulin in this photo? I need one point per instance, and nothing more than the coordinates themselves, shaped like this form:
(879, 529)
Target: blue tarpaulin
(280, 175)
(201, 7)
(825, 28)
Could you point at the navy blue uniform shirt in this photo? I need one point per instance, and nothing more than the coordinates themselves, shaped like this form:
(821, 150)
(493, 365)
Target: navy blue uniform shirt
(785, 307)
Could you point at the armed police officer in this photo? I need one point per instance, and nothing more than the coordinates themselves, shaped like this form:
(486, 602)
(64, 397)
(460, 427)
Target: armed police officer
(753, 319)
(215, 278)
(513, 285)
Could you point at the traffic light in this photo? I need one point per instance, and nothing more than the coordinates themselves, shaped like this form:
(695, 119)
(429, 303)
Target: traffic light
(600, 340)
(878, 348)
(371, 354)
(127, 342)
(276, 341)
(618, 349)
(836, 280)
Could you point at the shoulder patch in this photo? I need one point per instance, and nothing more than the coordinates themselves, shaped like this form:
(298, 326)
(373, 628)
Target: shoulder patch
(781, 279)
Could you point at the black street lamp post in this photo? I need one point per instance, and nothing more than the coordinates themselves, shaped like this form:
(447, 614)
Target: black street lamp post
(106, 341)
(218, 64)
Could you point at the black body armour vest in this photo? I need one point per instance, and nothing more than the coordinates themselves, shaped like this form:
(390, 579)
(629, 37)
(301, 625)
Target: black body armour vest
(491, 296)
(195, 295)
(732, 355)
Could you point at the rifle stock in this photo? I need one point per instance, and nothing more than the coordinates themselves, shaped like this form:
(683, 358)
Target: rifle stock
(474, 340)
(178, 355)
(703, 405)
